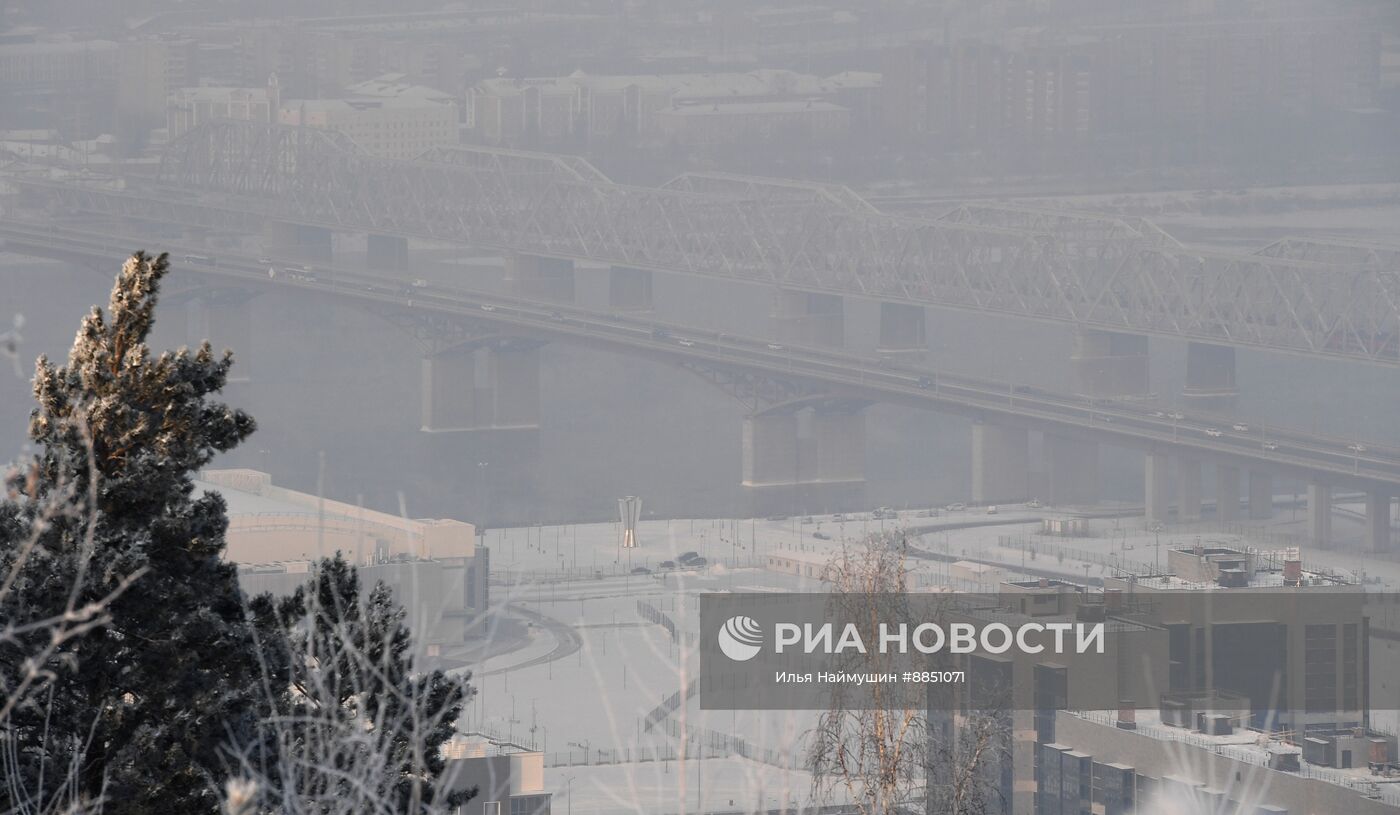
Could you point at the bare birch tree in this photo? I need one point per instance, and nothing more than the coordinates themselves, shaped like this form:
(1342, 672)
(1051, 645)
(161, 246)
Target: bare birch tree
(889, 749)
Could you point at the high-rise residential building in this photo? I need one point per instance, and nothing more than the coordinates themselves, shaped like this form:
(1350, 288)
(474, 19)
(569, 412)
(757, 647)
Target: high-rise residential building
(65, 85)
(149, 72)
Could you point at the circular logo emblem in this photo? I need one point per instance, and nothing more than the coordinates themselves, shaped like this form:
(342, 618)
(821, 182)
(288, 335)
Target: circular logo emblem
(740, 638)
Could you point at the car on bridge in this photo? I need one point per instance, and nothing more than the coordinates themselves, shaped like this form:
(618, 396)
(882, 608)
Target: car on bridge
(1268, 445)
(773, 346)
(1357, 448)
(685, 342)
(924, 383)
(556, 316)
(957, 507)
(1213, 432)
(1176, 416)
(487, 307)
(661, 333)
(1240, 427)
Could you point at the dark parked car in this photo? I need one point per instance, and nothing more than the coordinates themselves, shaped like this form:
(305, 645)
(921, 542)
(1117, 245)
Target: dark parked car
(666, 564)
(641, 570)
(821, 536)
(696, 563)
(686, 557)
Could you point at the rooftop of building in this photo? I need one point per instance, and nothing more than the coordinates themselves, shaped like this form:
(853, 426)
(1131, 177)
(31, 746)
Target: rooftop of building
(1042, 583)
(220, 93)
(1210, 565)
(57, 46)
(737, 108)
(1247, 745)
(362, 103)
(1257, 580)
(762, 82)
(395, 86)
(250, 494)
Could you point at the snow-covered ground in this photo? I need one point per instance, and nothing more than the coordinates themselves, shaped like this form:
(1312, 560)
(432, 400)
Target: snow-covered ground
(593, 668)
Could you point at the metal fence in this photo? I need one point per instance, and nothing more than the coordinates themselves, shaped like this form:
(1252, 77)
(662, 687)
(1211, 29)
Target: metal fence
(660, 713)
(652, 614)
(718, 744)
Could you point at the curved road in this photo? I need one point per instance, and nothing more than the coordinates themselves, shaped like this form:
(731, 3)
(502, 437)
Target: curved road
(567, 641)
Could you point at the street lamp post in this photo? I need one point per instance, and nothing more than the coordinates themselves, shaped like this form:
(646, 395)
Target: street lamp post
(480, 490)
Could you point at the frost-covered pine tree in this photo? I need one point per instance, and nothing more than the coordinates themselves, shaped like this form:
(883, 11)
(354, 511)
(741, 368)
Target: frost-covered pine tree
(140, 708)
(360, 728)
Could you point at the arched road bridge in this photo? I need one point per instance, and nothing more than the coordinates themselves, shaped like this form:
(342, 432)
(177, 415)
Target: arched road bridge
(778, 382)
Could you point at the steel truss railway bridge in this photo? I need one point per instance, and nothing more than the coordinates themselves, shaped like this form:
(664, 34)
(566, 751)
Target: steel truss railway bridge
(1093, 272)
(462, 330)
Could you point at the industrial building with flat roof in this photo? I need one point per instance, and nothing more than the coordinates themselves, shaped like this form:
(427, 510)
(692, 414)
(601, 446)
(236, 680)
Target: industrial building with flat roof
(435, 567)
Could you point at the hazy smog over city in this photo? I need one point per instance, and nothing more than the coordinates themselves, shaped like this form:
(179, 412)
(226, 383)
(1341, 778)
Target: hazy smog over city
(699, 407)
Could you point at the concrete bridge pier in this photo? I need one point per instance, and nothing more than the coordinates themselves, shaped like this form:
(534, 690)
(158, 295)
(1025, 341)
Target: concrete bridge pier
(770, 450)
(902, 329)
(629, 289)
(297, 241)
(801, 461)
(1261, 495)
(1000, 463)
(1320, 514)
(1071, 471)
(808, 318)
(1188, 497)
(1210, 378)
(1110, 364)
(224, 317)
(1158, 487)
(389, 252)
(1227, 492)
(474, 388)
(1378, 533)
(535, 277)
(840, 443)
